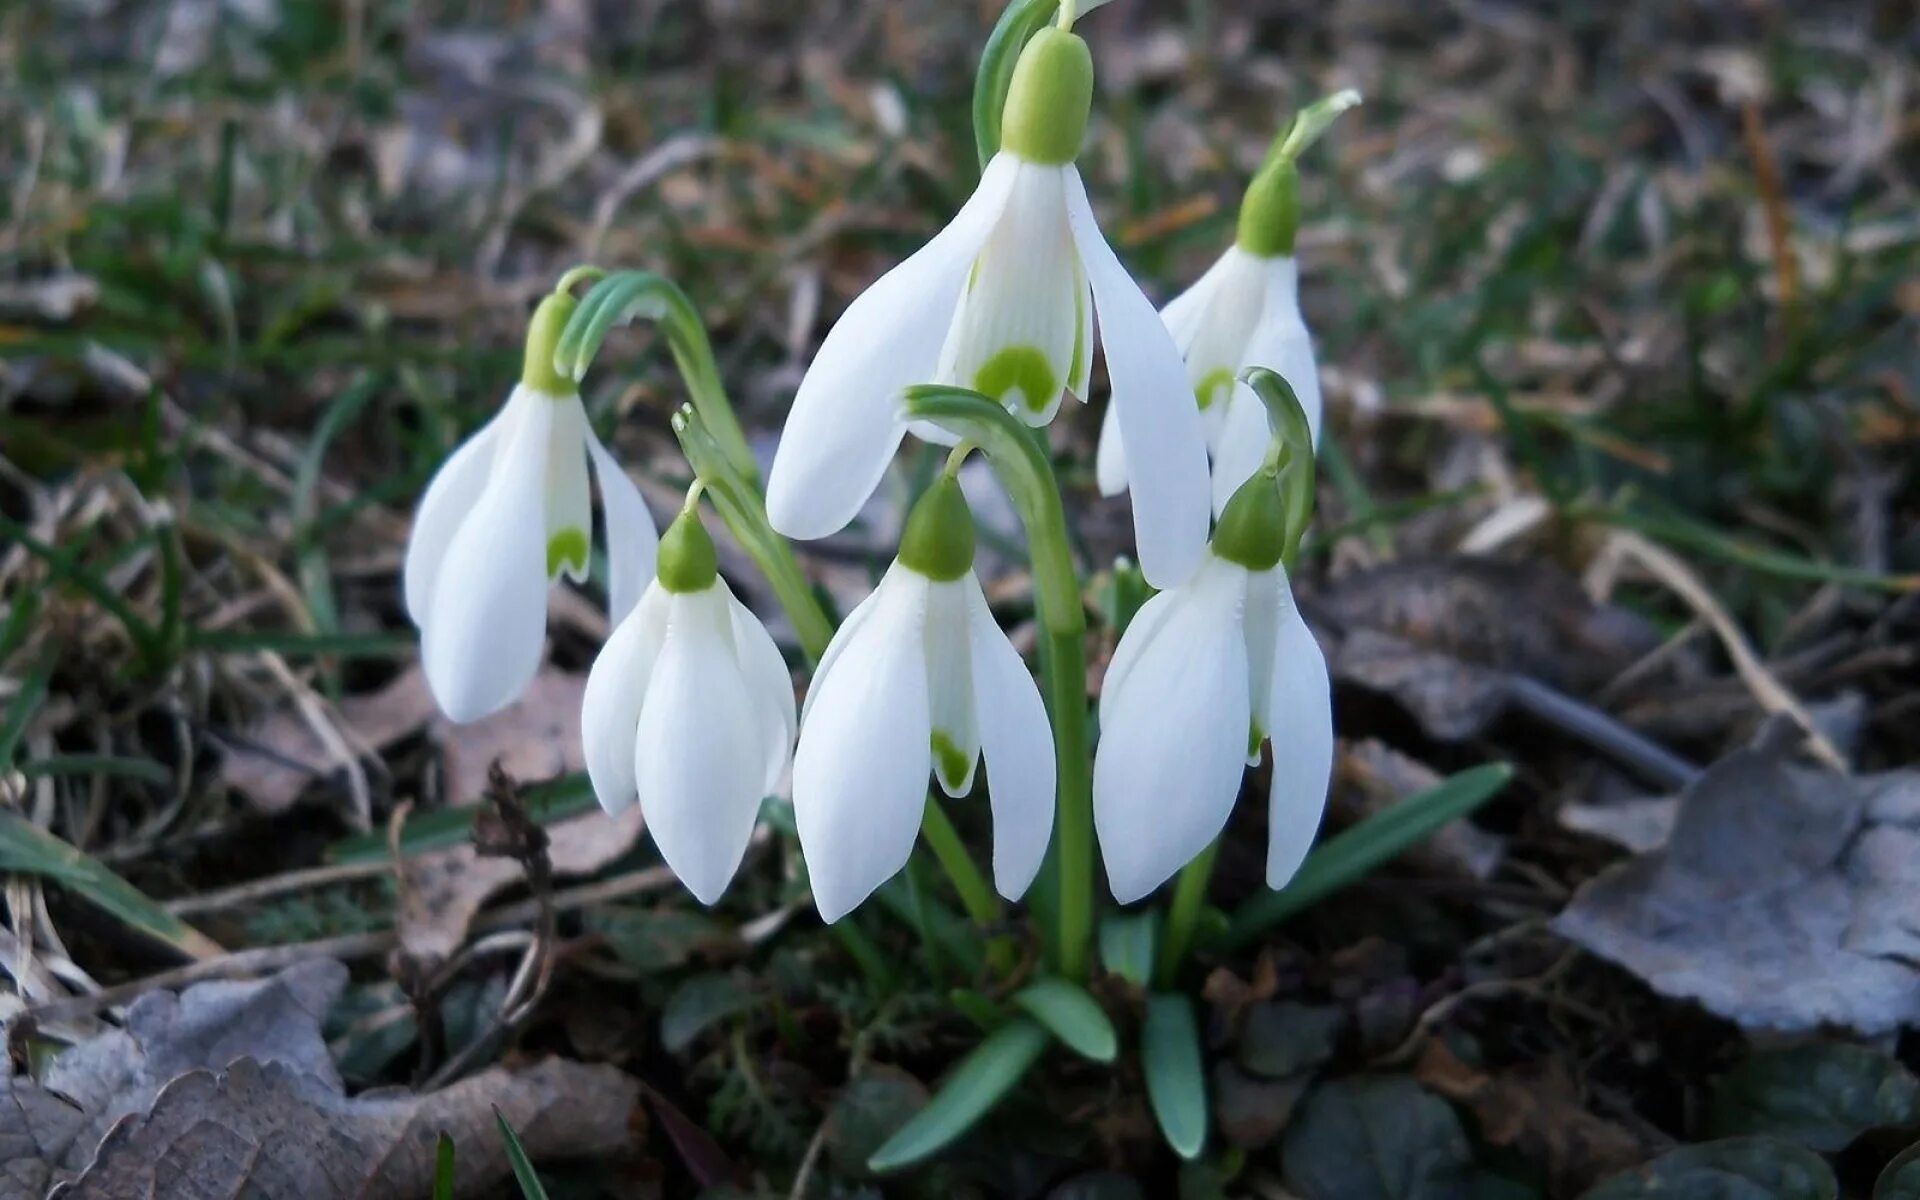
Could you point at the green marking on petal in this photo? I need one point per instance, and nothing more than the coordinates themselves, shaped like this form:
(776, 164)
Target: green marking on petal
(1254, 738)
(567, 549)
(1210, 385)
(950, 761)
(1077, 367)
(1021, 368)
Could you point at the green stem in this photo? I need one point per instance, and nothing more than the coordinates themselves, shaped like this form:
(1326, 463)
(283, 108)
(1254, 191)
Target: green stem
(1189, 895)
(1021, 20)
(1023, 468)
(976, 894)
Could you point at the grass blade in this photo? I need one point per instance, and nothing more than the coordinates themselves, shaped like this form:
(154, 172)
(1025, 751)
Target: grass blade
(1070, 1014)
(29, 850)
(1356, 851)
(973, 1088)
(1176, 1073)
(443, 1168)
(523, 1174)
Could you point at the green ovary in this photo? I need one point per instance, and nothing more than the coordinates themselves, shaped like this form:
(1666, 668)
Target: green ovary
(949, 761)
(567, 548)
(1022, 368)
(1210, 385)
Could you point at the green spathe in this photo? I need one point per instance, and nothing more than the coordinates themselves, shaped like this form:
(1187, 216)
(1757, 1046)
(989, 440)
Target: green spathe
(1253, 529)
(543, 338)
(687, 560)
(938, 541)
(1049, 99)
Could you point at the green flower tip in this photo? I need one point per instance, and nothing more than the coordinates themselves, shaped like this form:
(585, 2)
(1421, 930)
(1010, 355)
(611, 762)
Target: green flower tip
(1253, 529)
(543, 338)
(1049, 99)
(938, 541)
(687, 560)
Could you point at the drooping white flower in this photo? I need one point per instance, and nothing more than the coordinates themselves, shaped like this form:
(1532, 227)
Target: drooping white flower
(919, 680)
(1244, 312)
(1003, 301)
(689, 710)
(507, 514)
(1204, 674)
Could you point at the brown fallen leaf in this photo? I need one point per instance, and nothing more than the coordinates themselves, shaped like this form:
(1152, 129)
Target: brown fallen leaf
(1787, 898)
(1535, 1111)
(279, 757)
(228, 1086)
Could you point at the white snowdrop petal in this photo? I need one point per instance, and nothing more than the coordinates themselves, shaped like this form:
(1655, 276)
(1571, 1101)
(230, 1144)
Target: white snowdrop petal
(1184, 313)
(1301, 709)
(1241, 446)
(1221, 331)
(843, 637)
(845, 422)
(1012, 338)
(860, 773)
(569, 493)
(633, 541)
(1166, 773)
(616, 690)
(771, 686)
(1017, 743)
(1160, 428)
(1264, 610)
(486, 628)
(1140, 633)
(445, 505)
(1080, 379)
(1110, 459)
(955, 737)
(697, 752)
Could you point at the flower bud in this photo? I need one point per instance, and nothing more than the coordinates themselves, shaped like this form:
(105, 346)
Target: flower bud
(687, 560)
(938, 541)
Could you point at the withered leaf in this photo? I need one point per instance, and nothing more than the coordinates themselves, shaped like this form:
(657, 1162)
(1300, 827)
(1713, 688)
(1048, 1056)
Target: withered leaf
(1376, 1139)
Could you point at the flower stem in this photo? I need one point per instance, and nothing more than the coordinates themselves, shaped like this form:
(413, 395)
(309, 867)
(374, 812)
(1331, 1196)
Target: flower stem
(976, 894)
(1189, 895)
(1021, 462)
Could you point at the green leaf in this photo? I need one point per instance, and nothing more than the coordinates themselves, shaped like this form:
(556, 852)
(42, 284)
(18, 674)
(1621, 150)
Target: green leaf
(443, 1169)
(567, 797)
(1128, 943)
(1378, 1139)
(29, 850)
(523, 1173)
(1822, 1095)
(1354, 852)
(700, 1003)
(1734, 1169)
(1070, 1014)
(1901, 1178)
(1176, 1073)
(966, 1095)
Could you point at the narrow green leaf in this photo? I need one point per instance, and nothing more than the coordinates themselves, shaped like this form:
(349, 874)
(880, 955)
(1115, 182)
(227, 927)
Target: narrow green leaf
(1128, 943)
(344, 645)
(1356, 851)
(1071, 1015)
(1018, 23)
(443, 1169)
(523, 1173)
(143, 769)
(1176, 1073)
(547, 803)
(30, 850)
(33, 689)
(972, 1089)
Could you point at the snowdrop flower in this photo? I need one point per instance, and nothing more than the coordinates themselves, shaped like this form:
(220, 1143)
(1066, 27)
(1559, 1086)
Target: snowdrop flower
(1204, 674)
(505, 515)
(919, 679)
(1002, 301)
(1243, 312)
(689, 710)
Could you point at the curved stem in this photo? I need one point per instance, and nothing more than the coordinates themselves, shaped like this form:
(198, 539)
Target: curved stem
(1023, 468)
(1021, 20)
(1189, 895)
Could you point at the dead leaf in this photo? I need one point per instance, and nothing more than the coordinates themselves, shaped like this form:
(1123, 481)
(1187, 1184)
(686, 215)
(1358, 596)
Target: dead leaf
(201, 1084)
(1536, 1111)
(1787, 898)
(1442, 635)
(281, 756)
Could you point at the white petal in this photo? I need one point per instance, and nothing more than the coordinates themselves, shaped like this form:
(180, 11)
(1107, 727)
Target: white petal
(1173, 737)
(1018, 745)
(1265, 608)
(696, 755)
(1301, 709)
(860, 774)
(1241, 445)
(1140, 633)
(1012, 339)
(1281, 343)
(569, 494)
(616, 689)
(771, 685)
(844, 636)
(1223, 327)
(1110, 460)
(844, 426)
(486, 625)
(1165, 446)
(449, 497)
(950, 701)
(1080, 379)
(633, 541)
(1183, 313)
